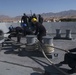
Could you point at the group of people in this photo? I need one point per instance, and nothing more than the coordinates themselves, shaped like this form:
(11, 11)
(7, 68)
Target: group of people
(34, 26)
(30, 26)
(27, 23)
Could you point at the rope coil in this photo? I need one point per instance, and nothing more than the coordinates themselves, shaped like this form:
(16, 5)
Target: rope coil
(52, 62)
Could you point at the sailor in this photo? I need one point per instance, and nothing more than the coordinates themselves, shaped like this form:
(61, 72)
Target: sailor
(31, 26)
(19, 31)
(24, 19)
(70, 59)
(40, 30)
(25, 25)
(11, 29)
(34, 16)
(40, 19)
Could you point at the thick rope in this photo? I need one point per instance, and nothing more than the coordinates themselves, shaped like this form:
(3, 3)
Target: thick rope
(52, 62)
(47, 46)
(40, 44)
(58, 48)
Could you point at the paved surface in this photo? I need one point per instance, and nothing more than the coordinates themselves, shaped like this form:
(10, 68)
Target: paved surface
(32, 63)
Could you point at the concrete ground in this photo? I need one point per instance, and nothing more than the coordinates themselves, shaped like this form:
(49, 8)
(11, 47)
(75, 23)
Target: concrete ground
(33, 62)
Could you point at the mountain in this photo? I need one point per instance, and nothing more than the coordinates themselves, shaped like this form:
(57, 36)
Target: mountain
(4, 17)
(60, 14)
(69, 13)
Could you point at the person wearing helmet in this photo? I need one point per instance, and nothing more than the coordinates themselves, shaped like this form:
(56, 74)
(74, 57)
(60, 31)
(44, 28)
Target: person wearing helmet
(34, 16)
(34, 20)
(32, 26)
(40, 30)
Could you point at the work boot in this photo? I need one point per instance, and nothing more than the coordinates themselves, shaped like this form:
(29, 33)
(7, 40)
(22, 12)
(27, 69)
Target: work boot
(72, 71)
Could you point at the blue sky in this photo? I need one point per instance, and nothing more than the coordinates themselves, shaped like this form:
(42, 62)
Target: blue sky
(18, 7)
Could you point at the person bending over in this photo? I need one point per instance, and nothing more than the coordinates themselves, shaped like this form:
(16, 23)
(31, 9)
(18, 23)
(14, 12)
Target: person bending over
(40, 30)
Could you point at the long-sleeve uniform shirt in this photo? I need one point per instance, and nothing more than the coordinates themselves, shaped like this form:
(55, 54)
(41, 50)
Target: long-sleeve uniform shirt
(40, 29)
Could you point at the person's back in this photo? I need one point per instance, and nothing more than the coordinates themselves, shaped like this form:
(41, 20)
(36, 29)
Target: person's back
(19, 33)
(11, 29)
(34, 16)
(24, 19)
(40, 19)
(40, 29)
(30, 17)
(19, 29)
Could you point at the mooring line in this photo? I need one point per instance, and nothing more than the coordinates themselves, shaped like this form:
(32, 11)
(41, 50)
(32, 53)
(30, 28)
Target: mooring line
(58, 48)
(52, 63)
(40, 44)
(47, 46)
